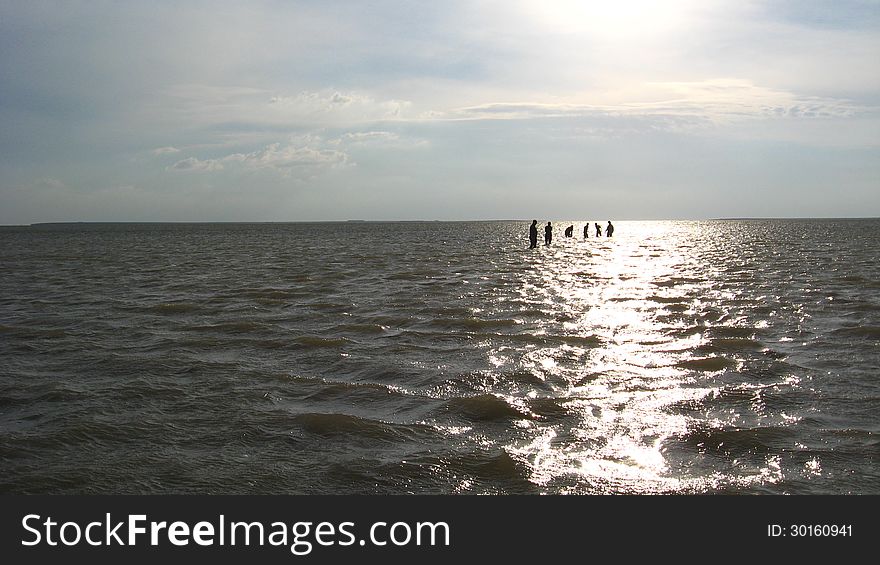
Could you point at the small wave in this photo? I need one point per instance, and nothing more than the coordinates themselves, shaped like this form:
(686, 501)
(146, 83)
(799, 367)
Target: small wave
(549, 408)
(853, 279)
(346, 425)
(773, 354)
(492, 467)
(472, 323)
(546, 340)
(268, 343)
(677, 281)
(858, 436)
(554, 340)
(174, 308)
(389, 321)
(332, 307)
(739, 441)
(706, 364)
(731, 344)
(316, 341)
(272, 293)
(667, 299)
(33, 333)
(364, 329)
(470, 383)
(411, 276)
(369, 391)
(228, 327)
(485, 407)
(501, 467)
(721, 332)
(532, 313)
(865, 332)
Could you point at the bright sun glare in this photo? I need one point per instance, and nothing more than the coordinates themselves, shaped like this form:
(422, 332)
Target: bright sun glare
(614, 19)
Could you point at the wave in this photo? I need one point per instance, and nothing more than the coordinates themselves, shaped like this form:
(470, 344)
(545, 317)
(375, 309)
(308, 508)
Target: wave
(363, 329)
(174, 308)
(668, 299)
(33, 333)
(731, 344)
(865, 332)
(472, 323)
(526, 338)
(316, 341)
(492, 468)
(729, 441)
(412, 276)
(858, 437)
(346, 426)
(483, 380)
(723, 332)
(549, 409)
(675, 281)
(485, 407)
(271, 293)
(242, 326)
(707, 364)
(332, 307)
(324, 390)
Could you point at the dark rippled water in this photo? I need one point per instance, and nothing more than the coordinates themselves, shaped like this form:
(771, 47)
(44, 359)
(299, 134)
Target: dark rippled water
(676, 357)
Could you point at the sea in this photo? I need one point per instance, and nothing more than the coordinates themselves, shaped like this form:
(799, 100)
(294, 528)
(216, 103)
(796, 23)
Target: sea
(675, 357)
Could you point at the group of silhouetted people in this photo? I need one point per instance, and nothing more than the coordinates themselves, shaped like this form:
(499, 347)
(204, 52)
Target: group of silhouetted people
(569, 232)
(533, 234)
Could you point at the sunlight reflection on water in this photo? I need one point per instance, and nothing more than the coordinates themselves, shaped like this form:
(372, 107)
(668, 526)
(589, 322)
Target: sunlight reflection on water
(629, 294)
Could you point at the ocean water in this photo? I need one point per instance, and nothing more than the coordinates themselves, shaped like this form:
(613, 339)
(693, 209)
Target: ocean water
(734, 357)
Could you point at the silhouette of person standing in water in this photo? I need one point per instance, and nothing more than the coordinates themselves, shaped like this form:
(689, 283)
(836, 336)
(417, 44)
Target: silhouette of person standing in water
(548, 234)
(598, 230)
(568, 231)
(609, 229)
(586, 230)
(533, 234)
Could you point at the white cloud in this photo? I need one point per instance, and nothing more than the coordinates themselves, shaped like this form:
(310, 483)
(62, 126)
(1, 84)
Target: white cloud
(165, 151)
(335, 107)
(287, 159)
(676, 105)
(730, 99)
(50, 182)
(369, 136)
(193, 164)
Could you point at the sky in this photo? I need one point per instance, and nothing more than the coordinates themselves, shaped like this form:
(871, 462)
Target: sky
(321, 110)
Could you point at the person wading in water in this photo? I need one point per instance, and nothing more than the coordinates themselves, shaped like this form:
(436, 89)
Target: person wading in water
(533, 234)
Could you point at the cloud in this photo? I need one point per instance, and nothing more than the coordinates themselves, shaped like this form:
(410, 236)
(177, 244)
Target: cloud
(165, 151)
(193, 164)
(339, 106)
(49, 182)
(730, 99)
(676, 105)
(287, 159)
(369, 136)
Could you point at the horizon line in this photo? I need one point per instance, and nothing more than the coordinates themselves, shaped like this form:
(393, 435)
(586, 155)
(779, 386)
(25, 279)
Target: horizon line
(358, 220)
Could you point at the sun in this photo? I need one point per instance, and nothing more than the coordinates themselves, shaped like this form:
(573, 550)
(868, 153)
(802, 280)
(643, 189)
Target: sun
(611, 19)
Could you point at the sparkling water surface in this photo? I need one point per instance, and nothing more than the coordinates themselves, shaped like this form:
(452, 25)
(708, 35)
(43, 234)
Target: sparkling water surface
(737, 357)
